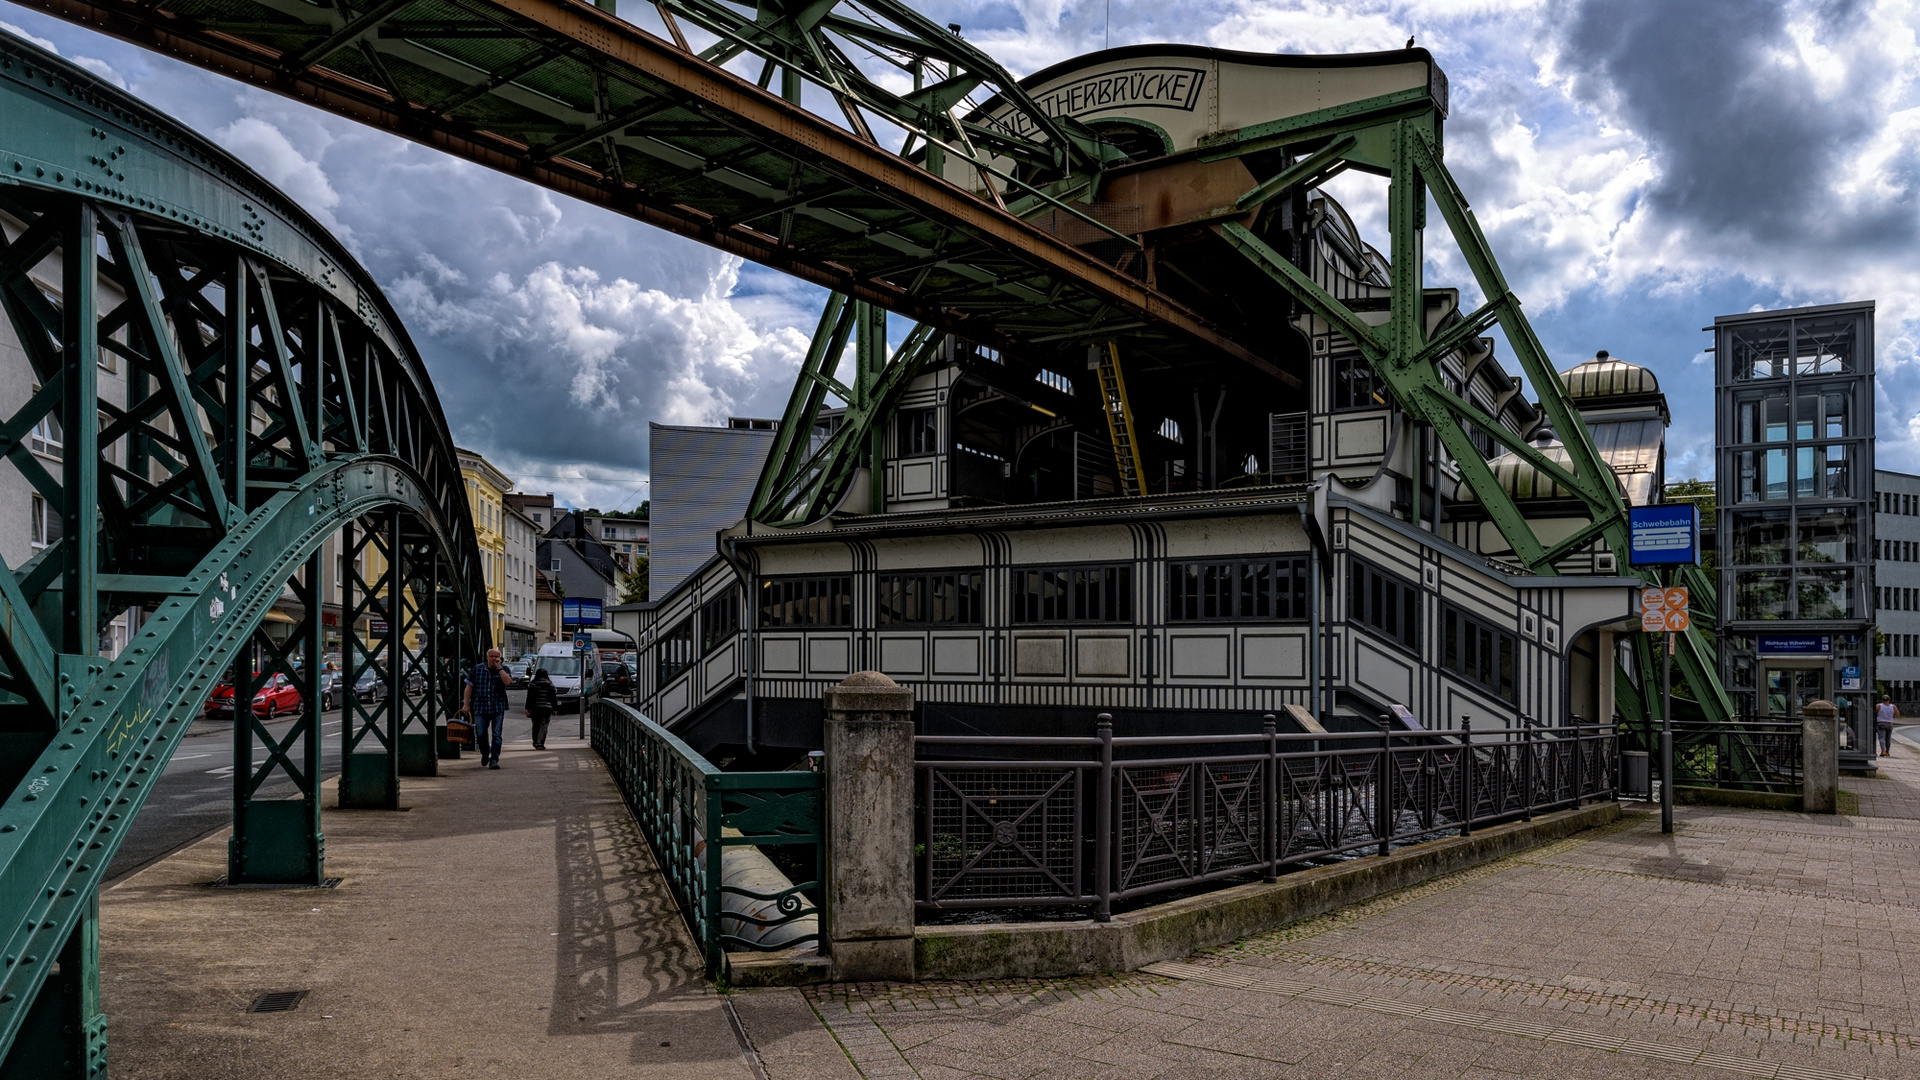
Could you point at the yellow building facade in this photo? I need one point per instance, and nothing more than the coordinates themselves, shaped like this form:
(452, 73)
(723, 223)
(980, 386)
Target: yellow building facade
(486, 490)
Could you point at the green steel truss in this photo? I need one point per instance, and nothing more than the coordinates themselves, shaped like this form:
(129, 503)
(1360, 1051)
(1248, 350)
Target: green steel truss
(816, 457)
(839, 140)
(218, 389)
(1407, 150)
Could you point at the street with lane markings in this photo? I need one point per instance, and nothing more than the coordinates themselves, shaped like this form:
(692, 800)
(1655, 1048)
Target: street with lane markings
(194, 797)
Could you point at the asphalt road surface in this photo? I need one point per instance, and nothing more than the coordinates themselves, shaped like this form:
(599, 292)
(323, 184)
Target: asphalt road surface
(194, 796)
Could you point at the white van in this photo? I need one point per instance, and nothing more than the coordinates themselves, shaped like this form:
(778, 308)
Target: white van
(567, 668)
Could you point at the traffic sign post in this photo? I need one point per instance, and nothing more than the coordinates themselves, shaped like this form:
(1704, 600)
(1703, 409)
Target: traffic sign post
(1664, 610)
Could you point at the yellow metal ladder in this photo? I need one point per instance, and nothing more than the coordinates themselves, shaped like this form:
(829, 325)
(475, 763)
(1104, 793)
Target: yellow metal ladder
(1105, 361)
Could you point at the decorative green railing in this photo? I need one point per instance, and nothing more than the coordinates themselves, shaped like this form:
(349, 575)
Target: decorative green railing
(692, 812)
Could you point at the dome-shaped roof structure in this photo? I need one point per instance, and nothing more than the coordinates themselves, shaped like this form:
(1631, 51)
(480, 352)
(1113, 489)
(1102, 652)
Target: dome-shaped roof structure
(1605, 377)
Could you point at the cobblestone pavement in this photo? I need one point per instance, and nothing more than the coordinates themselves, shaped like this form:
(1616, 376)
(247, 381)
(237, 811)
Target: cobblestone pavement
(1895, 793)
(1749, 943)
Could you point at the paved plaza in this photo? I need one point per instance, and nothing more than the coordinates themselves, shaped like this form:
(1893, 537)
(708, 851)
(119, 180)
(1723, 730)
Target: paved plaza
(510, 924)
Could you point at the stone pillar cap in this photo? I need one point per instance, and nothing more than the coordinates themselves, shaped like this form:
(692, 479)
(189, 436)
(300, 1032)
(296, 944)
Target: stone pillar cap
(868, 692)
(1821, 705)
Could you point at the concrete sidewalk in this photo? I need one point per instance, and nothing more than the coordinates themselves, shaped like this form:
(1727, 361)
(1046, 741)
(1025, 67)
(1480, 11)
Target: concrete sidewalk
(511, 924)
(506, 924)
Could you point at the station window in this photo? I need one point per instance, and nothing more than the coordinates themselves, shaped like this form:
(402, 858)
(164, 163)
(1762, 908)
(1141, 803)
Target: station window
(942, 597)
(673, 653)
(1244, 588)
(806, 601)
(1478, 651)
(919, 432)
(1382, 602)
(1097, 594)
(1355, 386)
(719, 621)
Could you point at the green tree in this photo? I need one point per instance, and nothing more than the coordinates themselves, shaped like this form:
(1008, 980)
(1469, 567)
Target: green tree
(634, 586)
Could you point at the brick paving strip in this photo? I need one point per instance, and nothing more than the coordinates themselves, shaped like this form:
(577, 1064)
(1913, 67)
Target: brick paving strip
(1500, 1025)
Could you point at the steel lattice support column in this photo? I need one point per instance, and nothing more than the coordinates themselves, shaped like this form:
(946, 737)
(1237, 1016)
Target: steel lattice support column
(445, 687)
(369, 746)
(414, 603)
(276, 840)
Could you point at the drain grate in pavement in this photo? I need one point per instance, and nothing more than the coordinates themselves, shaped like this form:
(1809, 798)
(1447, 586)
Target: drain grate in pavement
(278, 1001)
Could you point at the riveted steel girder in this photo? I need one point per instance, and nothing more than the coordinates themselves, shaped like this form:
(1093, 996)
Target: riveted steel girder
(654, 127)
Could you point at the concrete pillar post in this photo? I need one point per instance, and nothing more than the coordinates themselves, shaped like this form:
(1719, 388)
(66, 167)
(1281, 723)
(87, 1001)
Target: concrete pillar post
(1820, 757)
(868, 760)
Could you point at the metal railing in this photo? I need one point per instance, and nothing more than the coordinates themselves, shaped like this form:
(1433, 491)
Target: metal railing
(1009, 822)
(1748, 754)
(691, 812)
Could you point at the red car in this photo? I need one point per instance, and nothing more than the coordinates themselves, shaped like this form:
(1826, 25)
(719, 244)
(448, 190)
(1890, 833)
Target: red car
(279, 695)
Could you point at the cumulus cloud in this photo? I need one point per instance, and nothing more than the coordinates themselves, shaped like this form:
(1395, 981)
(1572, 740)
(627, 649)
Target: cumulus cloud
(564, 361)
(1638, 166)
(271, 154)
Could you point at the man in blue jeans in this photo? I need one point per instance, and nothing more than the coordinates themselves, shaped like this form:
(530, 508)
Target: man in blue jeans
(485, 700)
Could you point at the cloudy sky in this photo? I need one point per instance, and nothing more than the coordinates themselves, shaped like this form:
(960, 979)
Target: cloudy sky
(1639, 166)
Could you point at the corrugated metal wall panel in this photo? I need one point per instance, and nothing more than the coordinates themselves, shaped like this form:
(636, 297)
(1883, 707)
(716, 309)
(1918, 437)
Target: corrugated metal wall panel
(702, 481)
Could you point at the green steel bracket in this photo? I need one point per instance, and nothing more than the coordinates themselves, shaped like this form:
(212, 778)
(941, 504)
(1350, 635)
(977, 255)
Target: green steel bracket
(807, 471)
(1315, 167)
(1306, 290)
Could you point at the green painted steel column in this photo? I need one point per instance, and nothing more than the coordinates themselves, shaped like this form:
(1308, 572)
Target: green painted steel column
(870, 355)
(278, 841)
(446, 668)
(80, 454)
(419, 756)
(370, 778)
(233, 418)
(64, 1036)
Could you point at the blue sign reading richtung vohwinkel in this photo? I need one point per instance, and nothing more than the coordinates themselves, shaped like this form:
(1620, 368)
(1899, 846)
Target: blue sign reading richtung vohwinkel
(1794, 644)
(1664, 535)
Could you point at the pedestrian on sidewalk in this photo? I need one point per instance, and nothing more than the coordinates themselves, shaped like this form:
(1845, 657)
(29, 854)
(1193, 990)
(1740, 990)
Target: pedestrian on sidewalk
(1883, 725)
(542, 700)
(485, 700)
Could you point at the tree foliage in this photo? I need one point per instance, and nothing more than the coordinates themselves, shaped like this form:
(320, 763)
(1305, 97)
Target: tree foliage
(634, 588)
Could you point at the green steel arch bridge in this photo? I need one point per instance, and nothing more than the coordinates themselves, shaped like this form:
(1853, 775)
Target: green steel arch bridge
(263, 398)
(853, 143)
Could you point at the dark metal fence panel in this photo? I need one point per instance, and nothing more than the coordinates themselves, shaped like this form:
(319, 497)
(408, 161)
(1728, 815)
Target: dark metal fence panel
(691, 812)
(1746, 755)
(1066, 821)
(1003, 835)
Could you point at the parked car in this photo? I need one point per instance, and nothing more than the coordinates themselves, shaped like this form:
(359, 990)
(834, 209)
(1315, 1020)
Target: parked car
(277, 696)
(521, 671)
(370, 687)
(220, 702)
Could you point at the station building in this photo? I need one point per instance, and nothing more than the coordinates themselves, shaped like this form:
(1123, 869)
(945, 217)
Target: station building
(1298, 545)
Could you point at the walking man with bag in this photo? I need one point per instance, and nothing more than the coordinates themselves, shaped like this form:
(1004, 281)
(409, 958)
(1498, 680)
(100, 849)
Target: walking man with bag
(485, 700)
(542, 700)
(1883, 718)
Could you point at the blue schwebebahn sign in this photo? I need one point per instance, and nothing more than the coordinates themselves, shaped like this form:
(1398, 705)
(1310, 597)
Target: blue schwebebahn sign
(1664, 535)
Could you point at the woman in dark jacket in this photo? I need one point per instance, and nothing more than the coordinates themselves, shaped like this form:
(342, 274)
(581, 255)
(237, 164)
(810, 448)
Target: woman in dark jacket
(542, 700)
